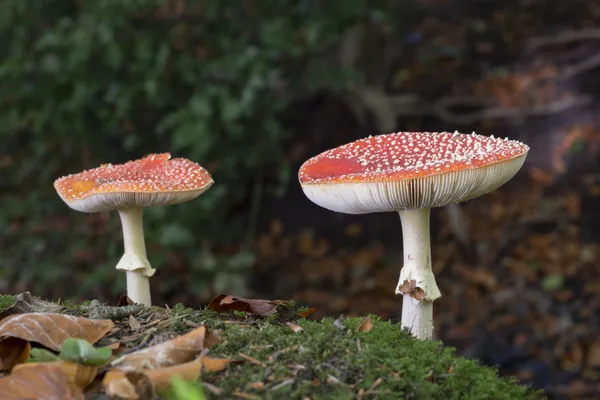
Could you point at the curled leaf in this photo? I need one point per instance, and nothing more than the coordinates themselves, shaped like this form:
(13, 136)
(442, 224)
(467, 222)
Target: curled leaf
(80, 351)
(128, 385)
(27, 303)
(13, 351)
(224, 302)
(122, 383)
(172, 352)
(40, 381)
(42, 355)
(51, 330)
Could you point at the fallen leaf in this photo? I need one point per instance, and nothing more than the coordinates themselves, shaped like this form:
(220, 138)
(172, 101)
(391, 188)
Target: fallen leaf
(257, 385)
(81, 375)
(366, 325)
(27, 303)
(161, 377)
(51, 330)
(119, 382)
(80, 351)
(224, 302)
(210, 364)
(39, 381)
(295, 328)
(307, 312)
(172, 352)
(185, 390)
(124, 300)
(134, 324)
(128, 385)
(13, 351)
(42, 355)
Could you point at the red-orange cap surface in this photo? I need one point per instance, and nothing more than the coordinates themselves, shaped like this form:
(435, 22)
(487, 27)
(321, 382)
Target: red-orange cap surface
(440, 168)
(156, 179)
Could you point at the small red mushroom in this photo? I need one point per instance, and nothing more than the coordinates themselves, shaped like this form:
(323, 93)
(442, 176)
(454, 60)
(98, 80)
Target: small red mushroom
(155, 180)
(411, 172)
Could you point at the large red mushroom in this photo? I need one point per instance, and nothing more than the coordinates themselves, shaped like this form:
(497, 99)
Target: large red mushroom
(411, 172)
(155, 180)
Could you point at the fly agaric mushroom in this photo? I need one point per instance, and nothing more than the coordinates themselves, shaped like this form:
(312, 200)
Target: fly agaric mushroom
(155, 180)
(411, 173)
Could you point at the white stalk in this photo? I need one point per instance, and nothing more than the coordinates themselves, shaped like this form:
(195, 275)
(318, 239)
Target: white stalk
(134, 261)
(417, 282)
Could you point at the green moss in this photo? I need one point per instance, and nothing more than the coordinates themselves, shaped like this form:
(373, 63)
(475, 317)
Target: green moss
(6, 301)
(332, 362)
(73, 308)
(330, 359)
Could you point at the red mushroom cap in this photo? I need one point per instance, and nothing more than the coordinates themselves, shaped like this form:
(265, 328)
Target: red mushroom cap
(153, 180)
(410, 170)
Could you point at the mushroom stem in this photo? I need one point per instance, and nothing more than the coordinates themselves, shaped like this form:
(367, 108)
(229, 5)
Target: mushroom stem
(417, 282)
(134, 261)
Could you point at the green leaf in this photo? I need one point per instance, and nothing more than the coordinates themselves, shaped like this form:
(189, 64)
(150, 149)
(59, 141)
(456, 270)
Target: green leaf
(42, 355)
(79, 350)
(184, 390)
(552, 282)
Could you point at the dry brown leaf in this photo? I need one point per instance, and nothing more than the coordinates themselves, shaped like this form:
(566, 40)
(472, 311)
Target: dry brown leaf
(258, 385)
(161, 377)
(366, 325)
(295, 328)
(224, 302)
(124, 300)
(210, 364)
(125, 385)
(128, 385)
(134, 324)
(307, 312)
(26, 303)
(51, 330)
(13, 351)
(172, 352)
(39, 381)
(79, 374)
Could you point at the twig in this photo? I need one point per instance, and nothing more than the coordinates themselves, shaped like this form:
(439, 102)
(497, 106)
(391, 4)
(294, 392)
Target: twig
(564, 37)
(386, 108)
(98, 311)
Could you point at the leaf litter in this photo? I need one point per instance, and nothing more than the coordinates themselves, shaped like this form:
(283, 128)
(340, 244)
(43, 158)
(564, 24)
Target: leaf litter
(137, 355)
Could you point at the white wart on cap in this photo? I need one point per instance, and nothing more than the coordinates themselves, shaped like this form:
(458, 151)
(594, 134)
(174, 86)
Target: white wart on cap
(409, 170)
(155, 180)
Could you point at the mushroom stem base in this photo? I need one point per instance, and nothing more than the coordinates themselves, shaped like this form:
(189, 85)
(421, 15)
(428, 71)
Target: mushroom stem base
(417, 316)
(138, 287)
(134, 261)
(417, 282)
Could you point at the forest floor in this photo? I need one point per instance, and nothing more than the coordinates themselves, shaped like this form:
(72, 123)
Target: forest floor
(234, 348)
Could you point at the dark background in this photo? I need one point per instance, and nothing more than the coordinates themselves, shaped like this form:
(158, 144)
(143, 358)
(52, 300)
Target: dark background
(251, 89)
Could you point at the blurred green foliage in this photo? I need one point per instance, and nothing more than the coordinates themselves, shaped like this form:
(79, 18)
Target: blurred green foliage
(95, 81)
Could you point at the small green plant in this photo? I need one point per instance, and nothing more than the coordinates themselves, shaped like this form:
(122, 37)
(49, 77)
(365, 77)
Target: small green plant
(184, 390)
(76, 350)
